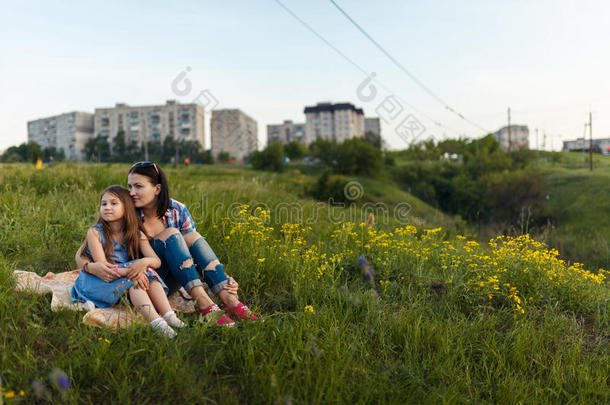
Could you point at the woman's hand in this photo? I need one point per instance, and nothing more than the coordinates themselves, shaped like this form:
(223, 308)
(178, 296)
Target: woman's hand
(137, 268)
(103, 270)
(231, 287)
(141, 281)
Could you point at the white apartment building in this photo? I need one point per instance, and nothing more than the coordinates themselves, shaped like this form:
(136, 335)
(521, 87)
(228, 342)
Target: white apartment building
(234, 132)
(333, 121)
(151, 123)
(286, 132)
(68, 132)
(517, 138)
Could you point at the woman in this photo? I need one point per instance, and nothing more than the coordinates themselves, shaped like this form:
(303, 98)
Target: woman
(180, 247)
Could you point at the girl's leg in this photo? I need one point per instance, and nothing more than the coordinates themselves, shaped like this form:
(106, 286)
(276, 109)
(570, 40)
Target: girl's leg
(141, 300)
(158, 297)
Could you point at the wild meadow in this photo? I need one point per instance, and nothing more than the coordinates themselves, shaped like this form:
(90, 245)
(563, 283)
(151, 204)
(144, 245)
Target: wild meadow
(444, 318)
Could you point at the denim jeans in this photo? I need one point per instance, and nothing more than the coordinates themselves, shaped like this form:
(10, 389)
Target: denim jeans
(174, 252)
(175, 269)
(203, 254)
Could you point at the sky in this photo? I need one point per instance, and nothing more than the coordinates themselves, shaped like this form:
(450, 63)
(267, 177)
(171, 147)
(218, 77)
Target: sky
(546, 60)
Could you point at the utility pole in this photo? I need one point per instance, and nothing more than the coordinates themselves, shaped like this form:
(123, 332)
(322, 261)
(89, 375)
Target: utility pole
(590, 141)
(584, 139)
(509, 140)
(544, 141)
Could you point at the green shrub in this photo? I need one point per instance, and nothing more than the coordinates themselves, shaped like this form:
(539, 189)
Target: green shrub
(271, 158)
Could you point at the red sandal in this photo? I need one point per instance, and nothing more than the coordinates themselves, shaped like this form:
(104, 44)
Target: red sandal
(242, 312)
(213, 314)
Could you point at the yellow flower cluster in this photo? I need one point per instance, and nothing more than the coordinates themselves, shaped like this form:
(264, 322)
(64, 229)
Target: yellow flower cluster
(513, 272)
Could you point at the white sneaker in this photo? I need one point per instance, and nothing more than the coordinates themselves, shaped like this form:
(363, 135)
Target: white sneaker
(160, 326)
(172, 320)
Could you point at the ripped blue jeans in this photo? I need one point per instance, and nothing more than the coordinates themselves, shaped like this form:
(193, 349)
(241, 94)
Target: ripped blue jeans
(177, 270)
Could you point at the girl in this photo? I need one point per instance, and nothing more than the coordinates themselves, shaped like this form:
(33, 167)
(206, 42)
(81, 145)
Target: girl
(116, 241)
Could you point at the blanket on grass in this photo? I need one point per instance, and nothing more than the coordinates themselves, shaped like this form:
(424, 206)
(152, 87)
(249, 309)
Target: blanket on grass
(119, 316)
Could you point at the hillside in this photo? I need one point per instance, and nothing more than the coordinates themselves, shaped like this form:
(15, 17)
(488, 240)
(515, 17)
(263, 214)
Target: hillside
(580, 202)
(447, 319)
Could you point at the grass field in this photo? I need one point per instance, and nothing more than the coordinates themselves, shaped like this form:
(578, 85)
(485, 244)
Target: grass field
(580, 201)
(447, 320)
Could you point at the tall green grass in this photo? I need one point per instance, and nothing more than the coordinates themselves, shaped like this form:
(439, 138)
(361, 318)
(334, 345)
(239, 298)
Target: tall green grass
(409, 345)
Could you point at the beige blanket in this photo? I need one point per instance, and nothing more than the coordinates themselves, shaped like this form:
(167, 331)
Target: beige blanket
(119, 316)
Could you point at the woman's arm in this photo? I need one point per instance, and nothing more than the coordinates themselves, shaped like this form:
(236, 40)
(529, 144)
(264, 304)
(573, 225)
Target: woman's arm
(149, 259)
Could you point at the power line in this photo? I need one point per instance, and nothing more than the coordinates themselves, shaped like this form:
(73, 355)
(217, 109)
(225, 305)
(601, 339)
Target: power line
(361, 69)
(401, 67)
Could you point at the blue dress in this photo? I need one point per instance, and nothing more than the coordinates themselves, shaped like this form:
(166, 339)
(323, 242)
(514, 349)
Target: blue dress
(88, 287)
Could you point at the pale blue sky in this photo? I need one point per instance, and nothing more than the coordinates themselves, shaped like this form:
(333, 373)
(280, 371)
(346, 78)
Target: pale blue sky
(547, 60)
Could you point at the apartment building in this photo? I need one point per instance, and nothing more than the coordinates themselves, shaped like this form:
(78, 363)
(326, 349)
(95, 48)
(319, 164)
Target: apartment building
(333, 121)
(517, 138)
(286, 132)
(152, 123)
(234, 132)
(67, 132)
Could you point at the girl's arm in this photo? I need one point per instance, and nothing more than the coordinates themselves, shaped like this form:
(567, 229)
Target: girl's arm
(100, 266)
(149, 259)
(101, 270)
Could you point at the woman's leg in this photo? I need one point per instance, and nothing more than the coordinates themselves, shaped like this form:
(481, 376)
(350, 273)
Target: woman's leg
(171, 247)
(214, 275)
(211, 270)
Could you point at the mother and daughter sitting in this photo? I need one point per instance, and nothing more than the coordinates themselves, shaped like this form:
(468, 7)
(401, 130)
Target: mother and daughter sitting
(145, 243)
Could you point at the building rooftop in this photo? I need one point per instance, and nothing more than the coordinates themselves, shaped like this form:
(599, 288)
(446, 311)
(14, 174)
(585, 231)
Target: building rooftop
(333, 107)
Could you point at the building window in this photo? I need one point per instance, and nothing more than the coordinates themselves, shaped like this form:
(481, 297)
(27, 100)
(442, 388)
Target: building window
(105, 122)
(185, 131)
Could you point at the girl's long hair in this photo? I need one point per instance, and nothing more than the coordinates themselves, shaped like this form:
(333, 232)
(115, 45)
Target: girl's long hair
(130, 226)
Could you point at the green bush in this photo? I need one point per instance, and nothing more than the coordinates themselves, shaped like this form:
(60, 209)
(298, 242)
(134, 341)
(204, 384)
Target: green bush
(354, 156)
(271, 158)
(296, 150)
(332, 188)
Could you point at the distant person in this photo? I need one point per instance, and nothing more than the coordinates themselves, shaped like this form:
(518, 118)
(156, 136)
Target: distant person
(39, 163)
(115, 242)
(51, 162)
(187, 161)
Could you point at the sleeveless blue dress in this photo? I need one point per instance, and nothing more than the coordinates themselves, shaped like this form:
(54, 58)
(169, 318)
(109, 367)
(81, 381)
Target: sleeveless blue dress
(88, 287)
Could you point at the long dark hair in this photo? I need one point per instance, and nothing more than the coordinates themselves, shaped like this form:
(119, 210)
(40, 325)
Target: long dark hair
(156, 176)
(130, 226)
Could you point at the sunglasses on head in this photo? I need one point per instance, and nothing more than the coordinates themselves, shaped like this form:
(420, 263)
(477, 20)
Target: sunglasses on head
(145, 164)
